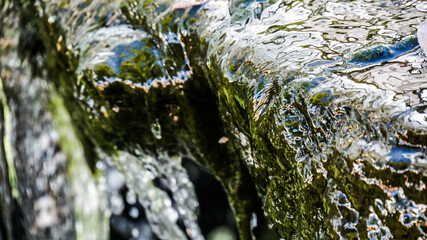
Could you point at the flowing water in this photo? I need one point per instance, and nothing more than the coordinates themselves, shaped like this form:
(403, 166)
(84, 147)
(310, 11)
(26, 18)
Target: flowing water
(322, 103)
(361, 61)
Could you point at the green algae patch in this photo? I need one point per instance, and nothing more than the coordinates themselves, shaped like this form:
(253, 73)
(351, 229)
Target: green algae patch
(276, 28)
(104, 70)
(380, 53)
(192, 116)
(92, 222)
(233, 68)
(141, 67)
(317, 99)
(372, 54)
(7, 145)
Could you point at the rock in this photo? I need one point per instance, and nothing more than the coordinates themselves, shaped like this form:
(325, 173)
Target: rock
(324, 125)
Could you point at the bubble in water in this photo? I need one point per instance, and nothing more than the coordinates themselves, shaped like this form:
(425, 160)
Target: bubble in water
(135, 232)
(116, 204)
(134, 212)
(131, 197)
(221, 233)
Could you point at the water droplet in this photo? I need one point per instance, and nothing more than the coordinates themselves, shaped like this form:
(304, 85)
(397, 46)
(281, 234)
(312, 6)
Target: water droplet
(116, 204)
(135, 232)
(51, 19)
(131, 197)
(156, 129)
(134, 212)
(100, 165)
(254, 221)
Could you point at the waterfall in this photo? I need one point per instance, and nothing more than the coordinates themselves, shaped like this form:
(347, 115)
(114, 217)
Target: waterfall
(314, 111)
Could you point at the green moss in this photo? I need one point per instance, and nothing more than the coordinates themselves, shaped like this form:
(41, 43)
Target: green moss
(317, 99)
(103, 70)
(372, 54)
(276, 28)
(195, 114)
(233, 68)
(7, 144)
(193, 20)
(141, 67)
(93, 221)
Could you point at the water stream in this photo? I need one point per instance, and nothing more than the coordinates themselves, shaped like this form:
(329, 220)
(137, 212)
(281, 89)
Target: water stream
(316, 109)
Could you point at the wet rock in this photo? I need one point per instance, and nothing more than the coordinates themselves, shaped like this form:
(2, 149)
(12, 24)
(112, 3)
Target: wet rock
(312, 108)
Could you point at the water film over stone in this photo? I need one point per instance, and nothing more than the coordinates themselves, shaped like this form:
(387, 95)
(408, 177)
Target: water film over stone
(216, 120)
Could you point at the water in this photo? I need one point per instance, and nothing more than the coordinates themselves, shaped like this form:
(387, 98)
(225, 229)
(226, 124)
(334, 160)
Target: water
(140, 174)
(336, 78)
(322, 102)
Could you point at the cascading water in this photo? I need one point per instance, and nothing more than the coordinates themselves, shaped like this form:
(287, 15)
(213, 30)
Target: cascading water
(114, 44)
(317, 107)
(345, 99)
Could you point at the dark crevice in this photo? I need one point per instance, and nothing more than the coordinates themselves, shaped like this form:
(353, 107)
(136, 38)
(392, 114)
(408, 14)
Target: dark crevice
(214, 209)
